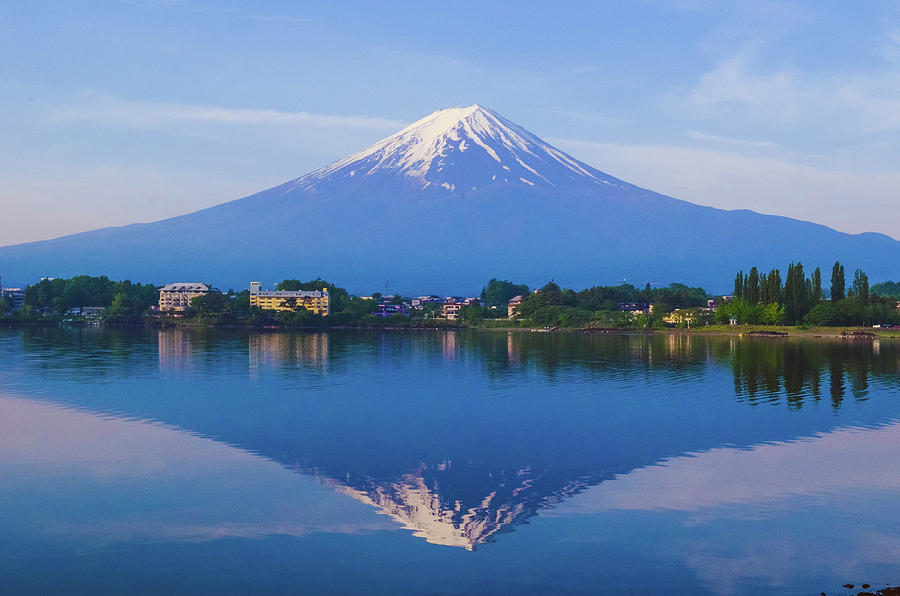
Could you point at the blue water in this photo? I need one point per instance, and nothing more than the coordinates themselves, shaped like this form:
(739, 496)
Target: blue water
(228, 462)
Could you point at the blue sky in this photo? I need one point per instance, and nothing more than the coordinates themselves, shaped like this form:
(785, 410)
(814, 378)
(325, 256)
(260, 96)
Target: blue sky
(134, 110)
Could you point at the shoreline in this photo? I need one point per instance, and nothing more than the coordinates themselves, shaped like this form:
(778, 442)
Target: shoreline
(844, 333)
(744, 331)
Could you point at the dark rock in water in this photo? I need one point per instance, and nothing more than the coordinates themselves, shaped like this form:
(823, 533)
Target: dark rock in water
(881, 592)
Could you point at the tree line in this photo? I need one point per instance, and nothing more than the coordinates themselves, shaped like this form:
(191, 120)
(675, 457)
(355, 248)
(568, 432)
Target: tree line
(552, 305)
(121, 298)
(759, 297)
(764, 298)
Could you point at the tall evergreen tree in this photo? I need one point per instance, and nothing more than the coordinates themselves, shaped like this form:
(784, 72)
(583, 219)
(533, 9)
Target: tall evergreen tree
(861, 286)
(739, 285)
(751, 291)
(773, 286)
(838, 285)
(815, 294)
(795, 294)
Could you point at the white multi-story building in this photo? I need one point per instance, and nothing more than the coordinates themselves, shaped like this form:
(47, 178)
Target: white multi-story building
(178, 296)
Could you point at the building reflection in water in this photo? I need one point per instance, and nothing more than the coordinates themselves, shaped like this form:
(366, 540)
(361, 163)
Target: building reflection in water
(448, 345)
(271, 350)
(175, 351)
(512, 348)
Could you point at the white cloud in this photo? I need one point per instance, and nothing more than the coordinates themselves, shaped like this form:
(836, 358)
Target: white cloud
(99, 107)
(283, 19)
(731, 84)
(888, 47)
(845, 200)
(743, 83)
(874, 100)
(727, 140)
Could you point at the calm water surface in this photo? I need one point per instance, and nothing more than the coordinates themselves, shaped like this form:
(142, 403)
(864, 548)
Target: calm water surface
(213, 462)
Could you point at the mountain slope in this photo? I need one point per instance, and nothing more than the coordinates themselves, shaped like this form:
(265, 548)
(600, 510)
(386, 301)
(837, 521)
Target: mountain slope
(443, 205)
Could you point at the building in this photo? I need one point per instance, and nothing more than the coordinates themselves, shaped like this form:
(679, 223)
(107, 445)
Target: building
(512, 305)
(315, 301)
(682, 316)
(178, 296)
(15, 297)
(452, 305)
(450, 310)
(386, 309)
(87, 311)
(636, 308)
(420, 302)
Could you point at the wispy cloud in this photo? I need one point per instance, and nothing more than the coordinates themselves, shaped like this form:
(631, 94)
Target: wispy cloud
(888, 46)
(98, 107)
(861, 102)
(728, 140)
(282, 19)
(844, 200)
(731, 84)
(752, 76)
(597, 117)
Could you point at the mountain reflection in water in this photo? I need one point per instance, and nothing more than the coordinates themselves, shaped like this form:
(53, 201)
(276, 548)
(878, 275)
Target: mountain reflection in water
(462, 436)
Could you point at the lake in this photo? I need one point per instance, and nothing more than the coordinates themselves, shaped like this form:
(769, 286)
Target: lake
(416, 462)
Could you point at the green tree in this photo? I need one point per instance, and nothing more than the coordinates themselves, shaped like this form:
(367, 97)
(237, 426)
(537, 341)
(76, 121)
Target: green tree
(739, 285)
(838, 285)
(771, 288)
(852, 310)
(431, 310)
(120, 305)
(816, 290)
(471, 314)
(679, 296)
(498, 292)
(647, 294)
(85, 290)
(289, 285)
(737, 308)
(240, 302)
(795, 294)
(299, 318)
(550, 295)
(823, 313)
(751, 289)
(860, 286)
(211, 303)
(887, 288)
(772, 313)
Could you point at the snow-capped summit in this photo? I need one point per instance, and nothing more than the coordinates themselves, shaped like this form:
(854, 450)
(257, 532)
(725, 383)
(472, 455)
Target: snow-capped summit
(442, 206)
(459, 150)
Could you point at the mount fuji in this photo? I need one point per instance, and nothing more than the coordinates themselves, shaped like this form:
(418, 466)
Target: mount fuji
(442, 206)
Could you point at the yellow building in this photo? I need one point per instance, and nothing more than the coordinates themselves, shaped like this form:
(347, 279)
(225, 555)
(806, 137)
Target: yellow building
(315, 301)
(681, 316)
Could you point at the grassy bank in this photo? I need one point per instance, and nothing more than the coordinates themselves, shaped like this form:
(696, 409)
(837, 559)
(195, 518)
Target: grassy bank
(791, 330)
